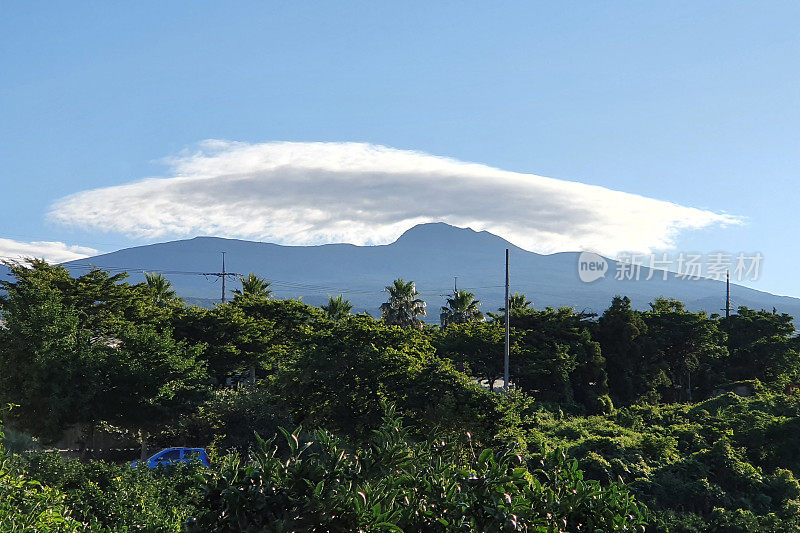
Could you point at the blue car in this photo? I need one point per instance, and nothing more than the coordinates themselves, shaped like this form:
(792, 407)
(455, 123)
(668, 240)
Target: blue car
(170, 456)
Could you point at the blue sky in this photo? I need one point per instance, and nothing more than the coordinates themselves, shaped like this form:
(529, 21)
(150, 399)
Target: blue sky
(694, 103)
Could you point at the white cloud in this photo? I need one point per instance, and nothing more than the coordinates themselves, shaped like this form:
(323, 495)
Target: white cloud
(311, 193)
(52, 252)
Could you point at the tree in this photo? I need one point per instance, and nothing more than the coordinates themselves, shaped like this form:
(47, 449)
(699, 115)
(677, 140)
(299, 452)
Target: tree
(231, 340)
(339, 378)
(558, 360)
(478, 347)
(49, 366)
(99, 299)
(621, 332)
(152, 380)
(403, 308)
(37, 271)
(338, 308)
(762, 346)
(60, 374)
(251, 332)
(231, 417)
(689, 349)
(290, 320)
(159, 287)
(461, 309)
(60, 348)
(518, 303)
(253, 285)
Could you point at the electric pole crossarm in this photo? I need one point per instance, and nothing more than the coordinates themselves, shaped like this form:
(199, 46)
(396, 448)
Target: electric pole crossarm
(224, 275)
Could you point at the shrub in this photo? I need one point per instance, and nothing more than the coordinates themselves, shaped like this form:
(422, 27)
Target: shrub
(395, 484)
(27, 505)
(118, 497)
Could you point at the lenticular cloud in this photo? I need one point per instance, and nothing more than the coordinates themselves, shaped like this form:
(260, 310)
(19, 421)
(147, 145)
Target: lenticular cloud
(50, 251)
(312, 193)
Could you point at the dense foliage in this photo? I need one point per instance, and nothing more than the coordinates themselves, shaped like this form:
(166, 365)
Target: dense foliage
(27, 505)
(395, 484)
(105, 496)
(693, 416)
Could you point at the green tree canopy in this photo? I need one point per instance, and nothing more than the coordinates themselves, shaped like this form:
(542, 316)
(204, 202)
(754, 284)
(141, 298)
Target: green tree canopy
(476, 348)
(688, 349)
(49, 366)
(558, 360)
(87, 350)
(152, 379)
(622, 334)
(99, 299)
(231, 341)
(344, 372)
(762, 346)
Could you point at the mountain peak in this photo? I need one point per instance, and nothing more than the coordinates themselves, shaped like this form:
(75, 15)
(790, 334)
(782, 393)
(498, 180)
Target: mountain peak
(438, 234)
(434, 228)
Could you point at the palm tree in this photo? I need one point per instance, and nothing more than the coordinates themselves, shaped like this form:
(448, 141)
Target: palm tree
(517, 302)
(403, 307)
(338, 308)
(159, 287)
(253, 285)
(460, 309)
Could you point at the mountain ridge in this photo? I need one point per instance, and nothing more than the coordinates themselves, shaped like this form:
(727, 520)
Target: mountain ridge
(432, 255)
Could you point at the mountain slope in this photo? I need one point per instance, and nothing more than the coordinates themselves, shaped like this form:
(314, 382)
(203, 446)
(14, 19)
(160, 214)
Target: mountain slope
(431, 255)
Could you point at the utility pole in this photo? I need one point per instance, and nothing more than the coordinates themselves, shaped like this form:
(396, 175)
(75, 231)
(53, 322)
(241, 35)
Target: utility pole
(727, 294)
(508, 329)
(455, 284)
(224, 275)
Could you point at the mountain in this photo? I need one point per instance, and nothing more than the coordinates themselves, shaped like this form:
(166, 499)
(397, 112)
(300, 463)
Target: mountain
(431, 255)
